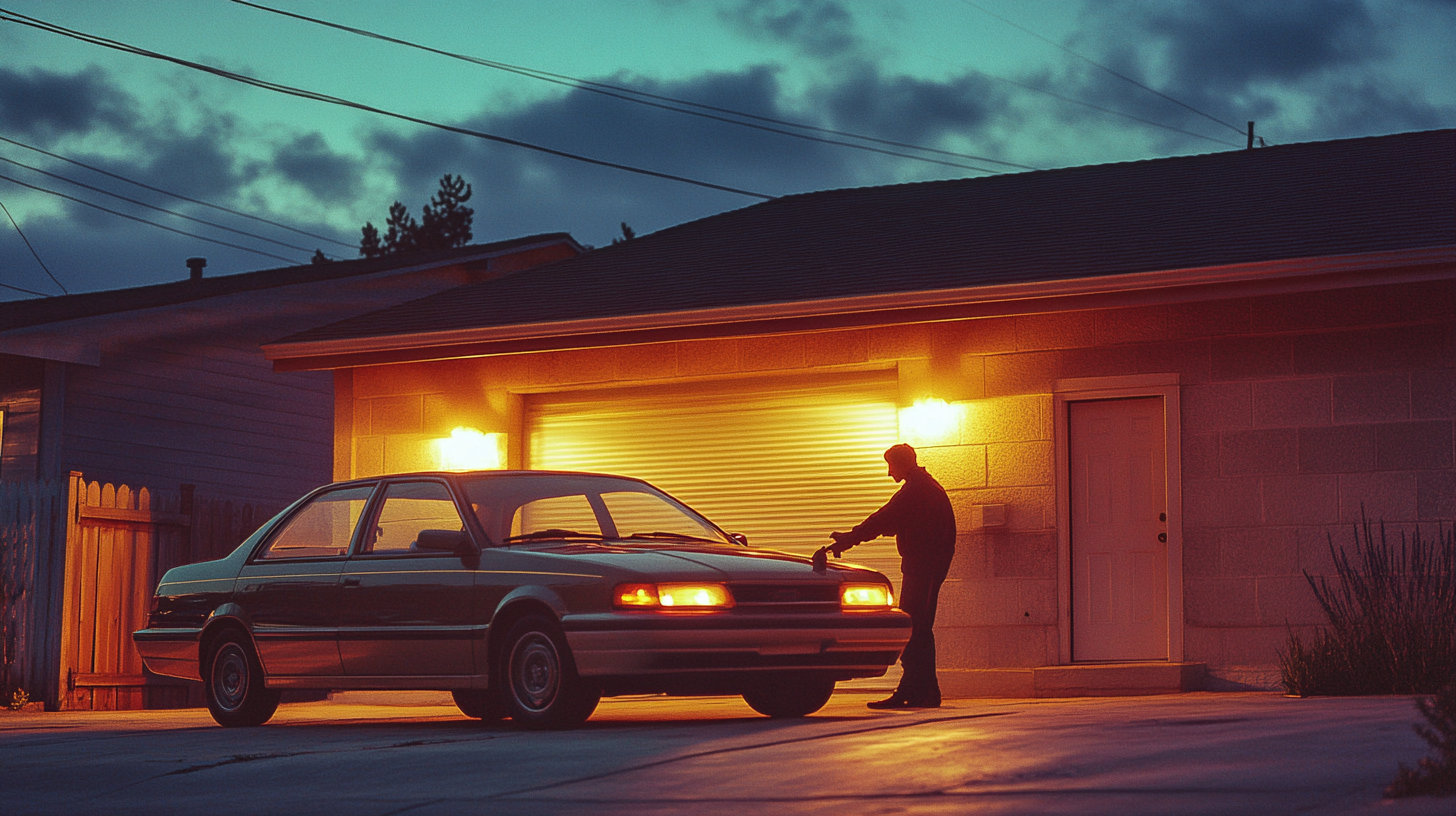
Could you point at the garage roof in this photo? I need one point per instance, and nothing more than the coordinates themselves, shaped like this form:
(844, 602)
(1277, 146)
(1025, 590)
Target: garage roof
(1321, 199)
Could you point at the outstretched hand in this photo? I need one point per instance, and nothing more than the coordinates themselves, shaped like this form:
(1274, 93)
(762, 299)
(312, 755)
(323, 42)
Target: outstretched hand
(841, 543)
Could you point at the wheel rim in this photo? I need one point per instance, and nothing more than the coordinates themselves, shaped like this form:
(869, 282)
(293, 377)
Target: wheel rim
(230, 677)
(535, 672)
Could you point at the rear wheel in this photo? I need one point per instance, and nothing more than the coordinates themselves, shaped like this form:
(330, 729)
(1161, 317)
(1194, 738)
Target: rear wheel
(233, 683)
(484, 705)
(541, 687)
(790, 696)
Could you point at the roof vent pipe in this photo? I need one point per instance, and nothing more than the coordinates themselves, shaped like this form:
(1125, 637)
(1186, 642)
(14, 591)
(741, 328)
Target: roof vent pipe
(195, 265)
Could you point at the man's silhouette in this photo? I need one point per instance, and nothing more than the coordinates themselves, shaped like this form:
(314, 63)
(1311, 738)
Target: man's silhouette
(920, 517)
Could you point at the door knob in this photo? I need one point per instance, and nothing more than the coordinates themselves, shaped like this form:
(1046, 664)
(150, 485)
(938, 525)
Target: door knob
(1163, 537)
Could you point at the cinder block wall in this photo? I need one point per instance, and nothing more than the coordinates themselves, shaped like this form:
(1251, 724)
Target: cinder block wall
(1296, 410)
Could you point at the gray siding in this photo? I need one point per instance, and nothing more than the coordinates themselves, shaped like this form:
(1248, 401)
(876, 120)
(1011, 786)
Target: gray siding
(20, 388)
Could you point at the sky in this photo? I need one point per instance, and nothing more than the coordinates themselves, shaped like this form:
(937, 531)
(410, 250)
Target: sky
(957, 88)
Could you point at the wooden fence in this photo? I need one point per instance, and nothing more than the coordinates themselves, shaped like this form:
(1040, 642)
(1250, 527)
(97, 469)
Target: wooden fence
(87, 557)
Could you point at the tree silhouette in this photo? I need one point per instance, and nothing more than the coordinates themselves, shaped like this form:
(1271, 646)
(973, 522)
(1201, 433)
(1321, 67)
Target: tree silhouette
(446, 222)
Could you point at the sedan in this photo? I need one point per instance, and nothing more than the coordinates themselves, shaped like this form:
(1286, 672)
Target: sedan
(528, 595)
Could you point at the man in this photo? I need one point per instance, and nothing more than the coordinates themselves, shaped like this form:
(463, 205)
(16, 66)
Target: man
(920, 517)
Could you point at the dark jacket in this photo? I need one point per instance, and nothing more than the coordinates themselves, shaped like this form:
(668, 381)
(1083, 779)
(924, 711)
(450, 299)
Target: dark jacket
(920, 517)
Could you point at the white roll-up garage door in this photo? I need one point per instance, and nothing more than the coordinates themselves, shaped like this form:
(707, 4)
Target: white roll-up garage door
(782, 461)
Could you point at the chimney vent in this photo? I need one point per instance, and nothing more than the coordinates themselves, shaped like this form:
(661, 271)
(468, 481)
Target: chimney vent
(195, 265)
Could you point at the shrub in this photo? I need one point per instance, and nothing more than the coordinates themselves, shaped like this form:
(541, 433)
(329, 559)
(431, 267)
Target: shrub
(1432, 776)
(1392, 619)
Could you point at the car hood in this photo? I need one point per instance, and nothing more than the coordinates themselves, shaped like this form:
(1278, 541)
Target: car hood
(688, 560)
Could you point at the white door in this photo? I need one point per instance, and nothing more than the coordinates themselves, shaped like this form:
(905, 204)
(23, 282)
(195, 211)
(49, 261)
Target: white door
(1119, 529)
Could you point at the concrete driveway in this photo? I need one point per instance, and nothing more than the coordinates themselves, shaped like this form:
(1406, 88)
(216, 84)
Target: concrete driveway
(1177, 754)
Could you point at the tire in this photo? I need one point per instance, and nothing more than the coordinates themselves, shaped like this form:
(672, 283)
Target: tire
(540, 686)
(233, 683)
(787, 697)
(485, 705)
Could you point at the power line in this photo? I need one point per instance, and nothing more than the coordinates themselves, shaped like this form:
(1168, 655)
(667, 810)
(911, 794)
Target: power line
(152, 206)
(188, 199)
(642, 98)
(334, 100)
(28, 246)
(289, 261)
(1125, 78)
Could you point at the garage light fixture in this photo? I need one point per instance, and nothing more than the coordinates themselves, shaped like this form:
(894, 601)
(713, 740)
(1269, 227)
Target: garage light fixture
(469, 449)
(931, 422)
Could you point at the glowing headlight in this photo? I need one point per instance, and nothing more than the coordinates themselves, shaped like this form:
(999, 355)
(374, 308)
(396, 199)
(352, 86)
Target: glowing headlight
(672, 596)
(865, 596)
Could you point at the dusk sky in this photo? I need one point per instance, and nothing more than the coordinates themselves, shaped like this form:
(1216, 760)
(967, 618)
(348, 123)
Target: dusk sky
(996, 85)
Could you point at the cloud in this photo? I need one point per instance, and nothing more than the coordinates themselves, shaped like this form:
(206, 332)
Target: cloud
(819, 28)
(46, 105)
(308, 161)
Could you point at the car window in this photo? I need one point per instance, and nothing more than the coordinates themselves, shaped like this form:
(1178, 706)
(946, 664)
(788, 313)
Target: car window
(637, 513)
(408, 508)
(322, 528)
(572, 513)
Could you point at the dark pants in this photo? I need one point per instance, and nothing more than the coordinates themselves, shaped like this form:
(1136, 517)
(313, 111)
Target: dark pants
(919, 595)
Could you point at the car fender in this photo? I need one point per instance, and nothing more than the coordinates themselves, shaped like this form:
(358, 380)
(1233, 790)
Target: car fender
(540, 594)
(228, 614)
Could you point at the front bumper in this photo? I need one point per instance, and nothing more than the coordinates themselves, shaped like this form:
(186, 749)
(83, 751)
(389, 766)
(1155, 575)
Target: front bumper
(170, 652)
(859, 644)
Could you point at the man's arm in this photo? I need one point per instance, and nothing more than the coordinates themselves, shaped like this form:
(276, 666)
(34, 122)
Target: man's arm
(884, 521)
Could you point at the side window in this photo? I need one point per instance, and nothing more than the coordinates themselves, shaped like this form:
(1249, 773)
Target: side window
(408, 508)
(572, 513)
(320, 529)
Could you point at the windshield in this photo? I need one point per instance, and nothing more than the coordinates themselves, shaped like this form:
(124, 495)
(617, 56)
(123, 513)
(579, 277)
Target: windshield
(525, 507)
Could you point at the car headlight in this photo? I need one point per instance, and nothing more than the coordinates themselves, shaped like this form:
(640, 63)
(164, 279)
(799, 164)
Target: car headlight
(672, 596)
(865, 596)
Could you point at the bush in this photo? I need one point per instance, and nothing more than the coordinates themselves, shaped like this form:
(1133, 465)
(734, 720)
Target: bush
(1392, 619)
(1432, 776)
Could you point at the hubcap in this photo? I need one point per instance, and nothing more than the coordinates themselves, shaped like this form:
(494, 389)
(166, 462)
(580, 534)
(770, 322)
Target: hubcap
(230, 676)
(535, 671)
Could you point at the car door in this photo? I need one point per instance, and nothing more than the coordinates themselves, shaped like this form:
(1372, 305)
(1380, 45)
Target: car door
(289, 589)
(406, 611)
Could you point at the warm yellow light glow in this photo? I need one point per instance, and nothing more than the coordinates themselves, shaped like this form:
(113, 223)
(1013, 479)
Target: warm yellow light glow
(635, 595)
(865, 596)
(672, 596)
(469, 449)
(930, 422)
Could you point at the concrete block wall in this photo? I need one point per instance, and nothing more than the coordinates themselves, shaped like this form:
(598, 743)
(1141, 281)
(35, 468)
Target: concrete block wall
(1297, 410)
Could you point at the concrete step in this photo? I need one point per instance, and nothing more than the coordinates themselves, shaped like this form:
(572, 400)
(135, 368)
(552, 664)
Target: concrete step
(1075, 680)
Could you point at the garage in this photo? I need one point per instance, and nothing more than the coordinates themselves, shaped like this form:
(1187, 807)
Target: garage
(782, 460)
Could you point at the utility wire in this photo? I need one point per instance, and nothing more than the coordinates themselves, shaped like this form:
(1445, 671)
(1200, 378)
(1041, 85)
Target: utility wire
(642, 98)
(289, 261)
(19, 289)
(151, 206)
(1125, 78)
(32, 22)
(188, 199)
(28, 246)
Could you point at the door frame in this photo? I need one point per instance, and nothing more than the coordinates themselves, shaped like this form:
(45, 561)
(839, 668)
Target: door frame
(1107, 388)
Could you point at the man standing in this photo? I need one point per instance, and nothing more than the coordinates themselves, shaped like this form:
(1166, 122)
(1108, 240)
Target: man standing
(919, 515)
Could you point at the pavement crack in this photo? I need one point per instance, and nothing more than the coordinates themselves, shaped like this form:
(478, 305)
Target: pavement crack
(739, 748)
(232, 760)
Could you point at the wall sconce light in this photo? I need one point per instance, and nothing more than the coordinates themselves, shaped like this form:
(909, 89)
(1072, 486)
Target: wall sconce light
(469, 449)
(931, 422)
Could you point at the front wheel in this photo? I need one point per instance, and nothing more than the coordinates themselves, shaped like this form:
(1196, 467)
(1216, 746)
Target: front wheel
(541, 687)
(790, 696)
(234, 686)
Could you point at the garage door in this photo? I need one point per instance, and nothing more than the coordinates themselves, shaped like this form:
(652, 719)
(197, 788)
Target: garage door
(784, 462)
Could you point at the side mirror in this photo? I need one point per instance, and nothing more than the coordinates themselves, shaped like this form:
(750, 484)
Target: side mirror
(740, 538)
(454, 541)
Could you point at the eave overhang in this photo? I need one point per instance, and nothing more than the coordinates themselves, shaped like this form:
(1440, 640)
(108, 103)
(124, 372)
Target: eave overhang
(1108, 291)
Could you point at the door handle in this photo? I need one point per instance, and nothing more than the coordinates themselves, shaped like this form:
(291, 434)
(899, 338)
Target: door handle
(348, 582)
(1163, 537)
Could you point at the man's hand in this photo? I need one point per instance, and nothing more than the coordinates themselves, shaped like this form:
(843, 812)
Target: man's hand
(841, 543)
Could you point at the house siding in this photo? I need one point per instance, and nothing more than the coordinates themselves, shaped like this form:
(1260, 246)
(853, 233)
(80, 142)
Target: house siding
(21, 383)
(1297, 411)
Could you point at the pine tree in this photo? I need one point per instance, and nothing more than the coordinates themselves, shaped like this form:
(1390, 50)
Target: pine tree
(446, 223)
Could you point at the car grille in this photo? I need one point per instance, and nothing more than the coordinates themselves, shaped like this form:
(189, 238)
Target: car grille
(786, 597)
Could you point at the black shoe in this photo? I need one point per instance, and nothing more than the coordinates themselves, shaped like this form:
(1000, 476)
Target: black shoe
(893, 701)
